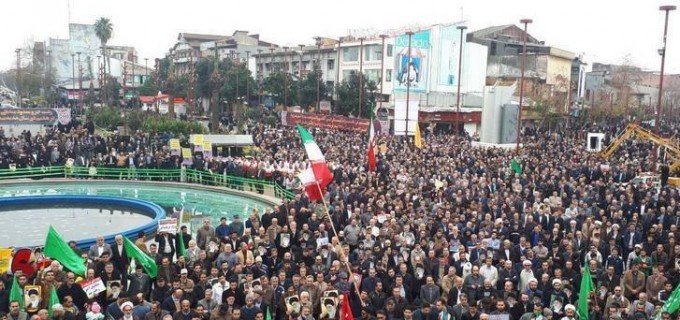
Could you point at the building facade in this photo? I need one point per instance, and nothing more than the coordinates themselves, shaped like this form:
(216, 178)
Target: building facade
(547, 70)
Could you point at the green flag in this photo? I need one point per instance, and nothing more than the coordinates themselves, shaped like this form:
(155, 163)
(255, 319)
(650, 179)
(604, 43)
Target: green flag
(147, 263)
(672, 304)
(54, 299)
(57, 249)
(269, 315)
(515, 166)
(16, 294)
(182, 249)
(586, 289)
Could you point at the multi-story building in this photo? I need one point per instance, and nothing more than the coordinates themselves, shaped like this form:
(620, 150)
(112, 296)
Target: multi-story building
(300, 60)
(421, 71)
(63, 53)
(190, 47)
(547, 68)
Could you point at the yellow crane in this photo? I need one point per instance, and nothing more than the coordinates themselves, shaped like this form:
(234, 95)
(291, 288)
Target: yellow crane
(635, 131)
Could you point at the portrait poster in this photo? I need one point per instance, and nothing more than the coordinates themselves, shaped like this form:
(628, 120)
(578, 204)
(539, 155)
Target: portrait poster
(32, 298)
(329, 307)
(285, 240)
(411, 69)
(293, 304)
(113, 289)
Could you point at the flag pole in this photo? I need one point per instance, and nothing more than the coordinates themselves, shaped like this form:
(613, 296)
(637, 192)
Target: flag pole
(341, 253)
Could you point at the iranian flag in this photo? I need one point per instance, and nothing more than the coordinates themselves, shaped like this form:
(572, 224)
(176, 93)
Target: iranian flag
(317, 176)
(370, 153)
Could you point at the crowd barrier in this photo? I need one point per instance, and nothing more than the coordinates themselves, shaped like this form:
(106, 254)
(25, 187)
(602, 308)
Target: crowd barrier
(171, 175)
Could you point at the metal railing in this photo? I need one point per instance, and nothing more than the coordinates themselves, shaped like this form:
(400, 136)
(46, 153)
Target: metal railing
(171, 175)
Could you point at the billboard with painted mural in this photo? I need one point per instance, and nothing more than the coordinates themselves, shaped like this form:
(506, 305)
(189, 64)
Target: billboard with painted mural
(448, 68)
(412, 70)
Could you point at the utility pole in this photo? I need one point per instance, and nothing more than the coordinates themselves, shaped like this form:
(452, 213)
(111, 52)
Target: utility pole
(662, 52)
(192, 83)
(80, 84)
(73, 63)
(460, 69)
(383, 51)
(337, 70)
(299, 88)
(408, 84)
(318, 65)
(361, 74)
(248, 77)
(134, 62)
(285, 76)
(260, 77)
(18, 52)
(521, 82)
(271, 70)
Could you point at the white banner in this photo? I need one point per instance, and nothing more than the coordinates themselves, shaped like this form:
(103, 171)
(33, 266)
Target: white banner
(93, 287)
(168, 225)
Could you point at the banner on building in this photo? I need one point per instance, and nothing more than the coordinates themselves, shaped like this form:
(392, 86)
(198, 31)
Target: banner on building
(449, 56)
(327, 121)
(405, 113)
(411, 65)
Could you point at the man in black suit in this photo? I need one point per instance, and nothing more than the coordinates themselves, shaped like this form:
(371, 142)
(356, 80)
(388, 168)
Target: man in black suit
(509, 253)
(119, 255)
(166, 244)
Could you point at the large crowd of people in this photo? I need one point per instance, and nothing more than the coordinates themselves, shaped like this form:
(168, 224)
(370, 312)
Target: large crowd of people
(449, 231)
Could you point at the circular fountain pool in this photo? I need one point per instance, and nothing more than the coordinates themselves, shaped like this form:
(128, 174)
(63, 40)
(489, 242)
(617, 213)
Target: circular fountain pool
(25, 220)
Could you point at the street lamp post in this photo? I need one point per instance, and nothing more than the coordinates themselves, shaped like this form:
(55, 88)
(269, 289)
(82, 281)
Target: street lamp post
(99, 75)
(383, 51)
(460, 69)
(299, 87)
(73, 77)
(526, 22)
(248, 78)
(361, 73)
(134, 62)
(408, 84)
(18, 52)
(337, 69)
(662, 52)
(260, 76)
(318, 79)
(80, 84)
(285, 76)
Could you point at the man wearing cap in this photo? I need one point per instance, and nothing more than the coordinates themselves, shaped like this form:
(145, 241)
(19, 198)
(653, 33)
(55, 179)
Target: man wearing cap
(569, 312)
(525, 275)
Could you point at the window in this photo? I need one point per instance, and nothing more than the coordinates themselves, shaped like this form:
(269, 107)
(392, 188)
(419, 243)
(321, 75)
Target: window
(373, 75)
(330, 64)
(390, 48)
(346, 74)
(372, 53)
(388, 75)
(350, 54)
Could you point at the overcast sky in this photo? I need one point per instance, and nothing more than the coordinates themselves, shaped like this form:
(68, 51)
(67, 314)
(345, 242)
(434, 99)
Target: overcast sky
(605, 30)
